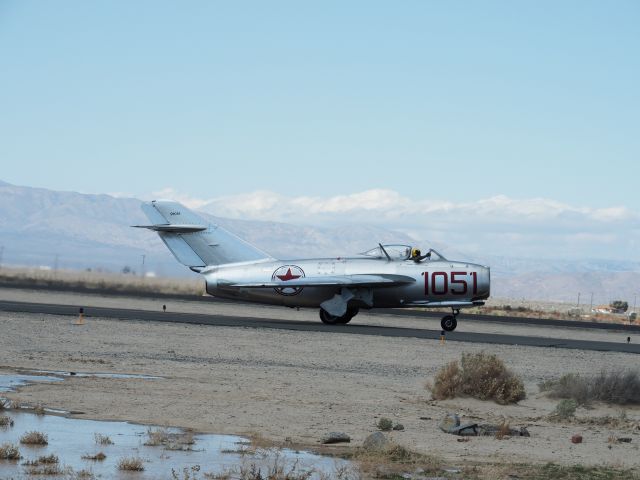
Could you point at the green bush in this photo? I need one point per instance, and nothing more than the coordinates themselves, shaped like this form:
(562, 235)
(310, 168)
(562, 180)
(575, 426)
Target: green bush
(385, 424)
(565, 409)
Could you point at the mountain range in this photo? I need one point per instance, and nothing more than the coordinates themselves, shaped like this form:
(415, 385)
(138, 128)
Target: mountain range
(54, 229)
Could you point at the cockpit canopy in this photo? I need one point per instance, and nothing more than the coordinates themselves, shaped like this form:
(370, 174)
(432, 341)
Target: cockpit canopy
(399, 253)
(395, 252)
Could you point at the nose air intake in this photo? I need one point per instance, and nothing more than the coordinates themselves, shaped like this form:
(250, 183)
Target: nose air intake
(485, 282)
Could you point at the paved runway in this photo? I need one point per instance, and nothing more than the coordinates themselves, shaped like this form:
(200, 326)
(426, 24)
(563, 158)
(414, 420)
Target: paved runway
(358, 329)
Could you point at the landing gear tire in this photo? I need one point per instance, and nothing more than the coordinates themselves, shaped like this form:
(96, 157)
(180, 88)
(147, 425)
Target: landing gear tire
(329, 319)
(449, 323)
(346, 318)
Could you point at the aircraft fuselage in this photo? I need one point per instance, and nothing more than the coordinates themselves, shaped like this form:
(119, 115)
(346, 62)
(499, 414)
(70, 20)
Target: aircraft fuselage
(436, 283)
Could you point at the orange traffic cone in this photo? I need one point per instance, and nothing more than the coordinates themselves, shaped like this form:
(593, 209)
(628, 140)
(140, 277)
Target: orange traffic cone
(80, 320)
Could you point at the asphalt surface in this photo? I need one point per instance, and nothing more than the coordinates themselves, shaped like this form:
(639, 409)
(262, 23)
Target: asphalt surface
(358, 329)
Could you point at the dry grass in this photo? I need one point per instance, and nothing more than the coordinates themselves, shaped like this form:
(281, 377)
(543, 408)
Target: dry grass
(5, 421)
(100, 456)
(39, 410)
(504, 431)
(34, 438)
(114, 282)
(479, 375)
(277, 470)
(447, 382)
(618, 387)
(102, 439)
(170, 441)
(85, 474)
(550, 471)
(47, 469)
(132, 464)
(392, 462)
(9, 451)
(48, 459)
(42, 460)
(156, 437)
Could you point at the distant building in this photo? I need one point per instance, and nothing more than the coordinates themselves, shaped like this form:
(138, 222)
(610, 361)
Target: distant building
(606, 309)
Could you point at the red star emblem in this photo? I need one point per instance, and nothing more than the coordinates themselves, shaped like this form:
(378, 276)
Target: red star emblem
(288, 276)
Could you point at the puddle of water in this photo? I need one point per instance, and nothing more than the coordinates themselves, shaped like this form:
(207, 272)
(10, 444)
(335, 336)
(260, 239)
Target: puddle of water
(71, 439)
(97, 374)
(10, 382)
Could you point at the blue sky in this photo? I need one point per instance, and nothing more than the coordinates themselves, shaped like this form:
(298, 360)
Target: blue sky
(510, 127)
(453, 101)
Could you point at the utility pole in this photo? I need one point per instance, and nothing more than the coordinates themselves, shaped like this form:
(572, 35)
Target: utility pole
(578, 300)
(591, 308)
(142, 266)
(55, 266)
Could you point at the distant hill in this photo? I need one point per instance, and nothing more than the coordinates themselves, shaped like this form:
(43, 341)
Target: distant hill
(93, 231)
(39, 227)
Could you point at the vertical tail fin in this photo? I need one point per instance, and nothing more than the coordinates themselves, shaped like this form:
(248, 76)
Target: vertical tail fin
(194, 241)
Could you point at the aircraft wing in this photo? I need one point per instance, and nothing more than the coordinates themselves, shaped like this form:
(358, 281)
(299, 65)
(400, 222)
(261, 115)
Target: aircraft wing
(382, 280)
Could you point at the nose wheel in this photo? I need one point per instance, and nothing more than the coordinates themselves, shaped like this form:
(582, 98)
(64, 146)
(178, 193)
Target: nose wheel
(450, 322)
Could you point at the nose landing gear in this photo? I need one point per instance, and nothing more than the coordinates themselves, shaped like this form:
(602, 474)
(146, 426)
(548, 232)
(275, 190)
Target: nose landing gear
(329, 319)
(450, 322)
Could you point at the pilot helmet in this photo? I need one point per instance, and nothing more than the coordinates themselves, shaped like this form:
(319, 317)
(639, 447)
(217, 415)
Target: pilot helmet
(415, 252)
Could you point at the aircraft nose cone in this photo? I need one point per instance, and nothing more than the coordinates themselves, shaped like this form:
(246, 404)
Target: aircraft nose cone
(484, 287)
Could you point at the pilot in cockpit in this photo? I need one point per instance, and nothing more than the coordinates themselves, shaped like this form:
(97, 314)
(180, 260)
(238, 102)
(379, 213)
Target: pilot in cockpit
(417, 257)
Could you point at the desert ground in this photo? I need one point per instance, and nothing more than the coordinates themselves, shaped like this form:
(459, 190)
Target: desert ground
(298, 386)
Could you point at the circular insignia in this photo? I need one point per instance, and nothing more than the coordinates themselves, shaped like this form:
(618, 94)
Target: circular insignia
(286, 273)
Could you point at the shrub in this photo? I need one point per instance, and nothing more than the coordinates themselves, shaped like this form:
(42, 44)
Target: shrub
(565, 409)
(156, 437)
(620, 387)
(447, 382)
(5, 421)
(570, 385)
(385, 424)
(48, 459)
(9, 451)
(102, 439)
(48, 469)
(480, 375)
(133, 464)
(34, 438)
(98, 456)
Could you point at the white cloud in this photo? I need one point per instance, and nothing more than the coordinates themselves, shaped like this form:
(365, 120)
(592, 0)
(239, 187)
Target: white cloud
(498, 224)
(169, 193)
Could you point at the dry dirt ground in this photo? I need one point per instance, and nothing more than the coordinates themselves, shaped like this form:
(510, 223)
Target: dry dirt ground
(303, 384)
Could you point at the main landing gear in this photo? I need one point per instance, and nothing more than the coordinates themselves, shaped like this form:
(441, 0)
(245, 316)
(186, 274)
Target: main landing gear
(329, 319)
(449, 322)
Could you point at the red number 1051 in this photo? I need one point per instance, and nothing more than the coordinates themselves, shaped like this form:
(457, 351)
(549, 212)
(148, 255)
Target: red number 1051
(454, 283)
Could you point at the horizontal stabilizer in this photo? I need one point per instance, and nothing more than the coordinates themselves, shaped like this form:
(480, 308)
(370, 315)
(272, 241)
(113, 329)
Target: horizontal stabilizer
(173, 228)
(194, 241)
(329, 281)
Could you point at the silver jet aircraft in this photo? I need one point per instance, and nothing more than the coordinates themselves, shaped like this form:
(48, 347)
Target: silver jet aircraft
(387, 276)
